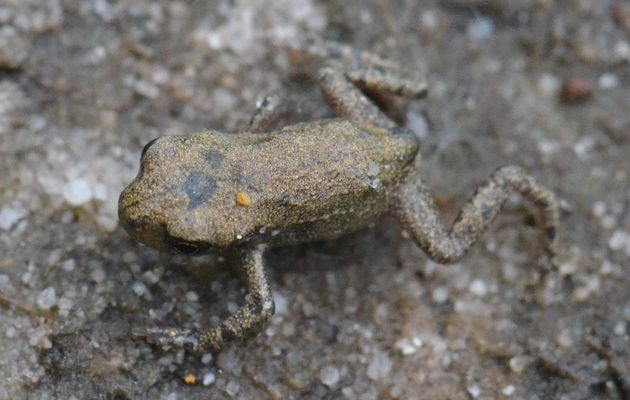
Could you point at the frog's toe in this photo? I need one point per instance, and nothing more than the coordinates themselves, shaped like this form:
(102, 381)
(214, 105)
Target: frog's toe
(167, 337)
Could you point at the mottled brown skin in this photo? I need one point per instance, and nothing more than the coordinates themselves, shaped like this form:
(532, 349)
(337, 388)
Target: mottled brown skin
(244, 192)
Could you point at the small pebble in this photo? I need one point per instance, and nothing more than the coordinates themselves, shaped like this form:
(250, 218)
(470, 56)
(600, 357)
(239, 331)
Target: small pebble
(232, 307)
(13, 49)
(508, 390)
(329, 376)
(77, 192)
(208, 379)
(622, 50)
(232, 388)
(206, 358)
(429, 20)
(608, 221)
(440, 294)
(548, 147)
(548, 85)
(192, 296)
(618, 240)
(583, 146)
(98, 275)
(11, 214)
(405, 346)
(69, 265)
(608, 81)
(478, 288)
(474, 391)
(591, 284)
(139, 288)
(152, 278)
(280, 302)
(6, 287)
(564, 339)
(599, 208)
(567, 268)
(379, 367)
(65, 305)
(47, 298)
(620, 328)
(418, 124)
(519, 364)
(574, 90)
(38, 337)
(607, 267)
(480, 28)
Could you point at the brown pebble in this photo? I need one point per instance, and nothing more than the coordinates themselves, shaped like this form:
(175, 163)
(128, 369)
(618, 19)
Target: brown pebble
(190, 379)
(575, 89)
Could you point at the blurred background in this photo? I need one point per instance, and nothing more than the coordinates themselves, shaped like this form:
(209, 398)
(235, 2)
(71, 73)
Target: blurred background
(540, 83)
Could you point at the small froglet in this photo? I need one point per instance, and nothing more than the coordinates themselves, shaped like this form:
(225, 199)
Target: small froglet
(242, 193)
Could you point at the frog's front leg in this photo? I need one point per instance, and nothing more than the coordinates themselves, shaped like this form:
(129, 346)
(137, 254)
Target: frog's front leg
(418, 214)
(249, 319)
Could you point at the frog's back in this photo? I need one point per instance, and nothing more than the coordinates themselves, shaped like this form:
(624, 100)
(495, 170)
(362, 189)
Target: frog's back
(319, 180)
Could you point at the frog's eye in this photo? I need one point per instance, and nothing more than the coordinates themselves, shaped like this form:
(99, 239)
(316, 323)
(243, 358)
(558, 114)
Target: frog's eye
(145, 148)
(187, 248)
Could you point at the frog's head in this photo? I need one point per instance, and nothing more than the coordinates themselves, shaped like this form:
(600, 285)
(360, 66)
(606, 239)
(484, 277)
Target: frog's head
(183, 199)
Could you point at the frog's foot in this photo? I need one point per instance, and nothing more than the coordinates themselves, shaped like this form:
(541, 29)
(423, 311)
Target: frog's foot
(418, 213)
(167, 337)
(247, 320)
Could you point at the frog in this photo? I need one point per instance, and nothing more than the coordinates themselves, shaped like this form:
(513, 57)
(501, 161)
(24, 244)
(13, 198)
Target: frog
(240, 194)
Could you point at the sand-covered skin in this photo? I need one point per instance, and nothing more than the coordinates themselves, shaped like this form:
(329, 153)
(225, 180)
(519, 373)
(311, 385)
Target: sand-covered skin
(84, 85)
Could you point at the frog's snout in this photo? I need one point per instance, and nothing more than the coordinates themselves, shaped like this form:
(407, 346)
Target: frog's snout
(138, 218)
(129, 210)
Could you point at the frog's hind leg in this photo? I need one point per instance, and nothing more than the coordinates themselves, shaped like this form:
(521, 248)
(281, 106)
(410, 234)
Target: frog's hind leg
(346, 100)
(249, 319)
(418, 213)
(341, 82)
(364, 68)
(388, 79)
(348, 71)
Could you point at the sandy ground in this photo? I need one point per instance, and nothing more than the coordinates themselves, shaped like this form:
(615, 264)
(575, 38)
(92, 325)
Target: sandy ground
(544, 84)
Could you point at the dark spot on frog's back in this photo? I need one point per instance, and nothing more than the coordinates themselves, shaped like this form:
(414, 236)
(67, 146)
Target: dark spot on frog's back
(199, 187)
(214, 159)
